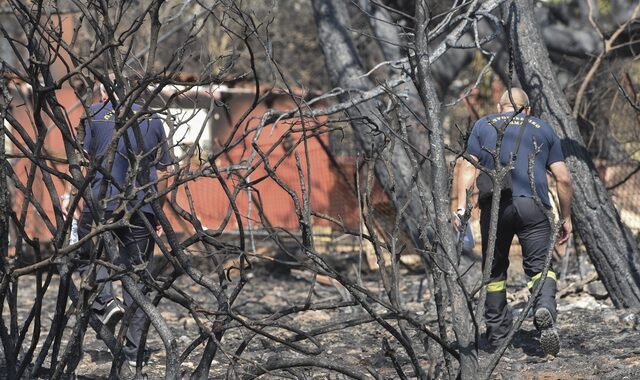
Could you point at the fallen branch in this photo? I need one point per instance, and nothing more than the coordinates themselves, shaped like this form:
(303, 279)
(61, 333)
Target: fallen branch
(577, 287)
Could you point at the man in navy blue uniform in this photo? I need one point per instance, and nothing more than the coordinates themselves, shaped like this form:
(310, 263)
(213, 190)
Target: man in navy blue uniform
(519, 213)
(126, 187)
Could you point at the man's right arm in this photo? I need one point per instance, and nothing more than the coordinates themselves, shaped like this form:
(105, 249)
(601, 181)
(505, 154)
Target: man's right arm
(565, 196)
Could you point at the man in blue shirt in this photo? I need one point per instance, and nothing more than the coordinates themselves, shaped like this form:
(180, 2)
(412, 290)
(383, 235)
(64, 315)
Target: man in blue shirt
(519, 213)
(141, 152)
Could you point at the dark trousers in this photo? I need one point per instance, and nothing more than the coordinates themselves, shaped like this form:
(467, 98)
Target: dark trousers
(135, 247)
(519, 216)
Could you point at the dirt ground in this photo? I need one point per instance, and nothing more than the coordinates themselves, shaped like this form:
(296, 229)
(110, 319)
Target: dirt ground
(597, 341)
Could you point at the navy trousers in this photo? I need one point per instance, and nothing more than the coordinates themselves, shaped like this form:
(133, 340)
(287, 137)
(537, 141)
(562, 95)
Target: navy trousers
(135, 247)
(519, 216)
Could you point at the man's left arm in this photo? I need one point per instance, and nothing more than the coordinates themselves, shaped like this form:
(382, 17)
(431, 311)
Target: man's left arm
(163, 167)
(565, 196)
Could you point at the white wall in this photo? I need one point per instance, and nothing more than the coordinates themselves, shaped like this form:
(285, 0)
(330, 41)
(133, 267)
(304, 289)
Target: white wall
(188, 123)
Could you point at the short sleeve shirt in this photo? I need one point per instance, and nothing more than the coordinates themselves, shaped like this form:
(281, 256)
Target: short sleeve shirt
(537, 134)
(100, 128)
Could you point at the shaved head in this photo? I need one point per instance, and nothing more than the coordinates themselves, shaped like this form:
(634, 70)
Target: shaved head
(520, 99)
(103, 90)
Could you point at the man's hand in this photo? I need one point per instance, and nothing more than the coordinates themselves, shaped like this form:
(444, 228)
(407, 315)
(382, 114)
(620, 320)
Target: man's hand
(65, 205)
(459, 218)
(565, 231)
(159, 230)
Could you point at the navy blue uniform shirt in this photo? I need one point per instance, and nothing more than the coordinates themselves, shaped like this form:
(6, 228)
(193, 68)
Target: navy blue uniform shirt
(483, 135)
(99, 131)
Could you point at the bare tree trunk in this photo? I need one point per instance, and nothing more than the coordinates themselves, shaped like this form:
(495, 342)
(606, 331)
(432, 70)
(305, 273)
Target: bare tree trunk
(4, 190)
(461, 311)
(5, 209)
(346, 71)
(398, 165)
(609, 242)
(394, 50)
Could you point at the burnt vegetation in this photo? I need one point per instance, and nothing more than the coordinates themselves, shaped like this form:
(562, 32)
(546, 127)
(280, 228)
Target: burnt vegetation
(352, 113)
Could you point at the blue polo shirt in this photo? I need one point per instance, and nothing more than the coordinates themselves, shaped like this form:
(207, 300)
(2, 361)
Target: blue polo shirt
(484, 134)
(100, 127)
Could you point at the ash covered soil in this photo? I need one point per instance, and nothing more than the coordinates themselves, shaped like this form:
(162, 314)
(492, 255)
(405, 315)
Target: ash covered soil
(597, 340)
